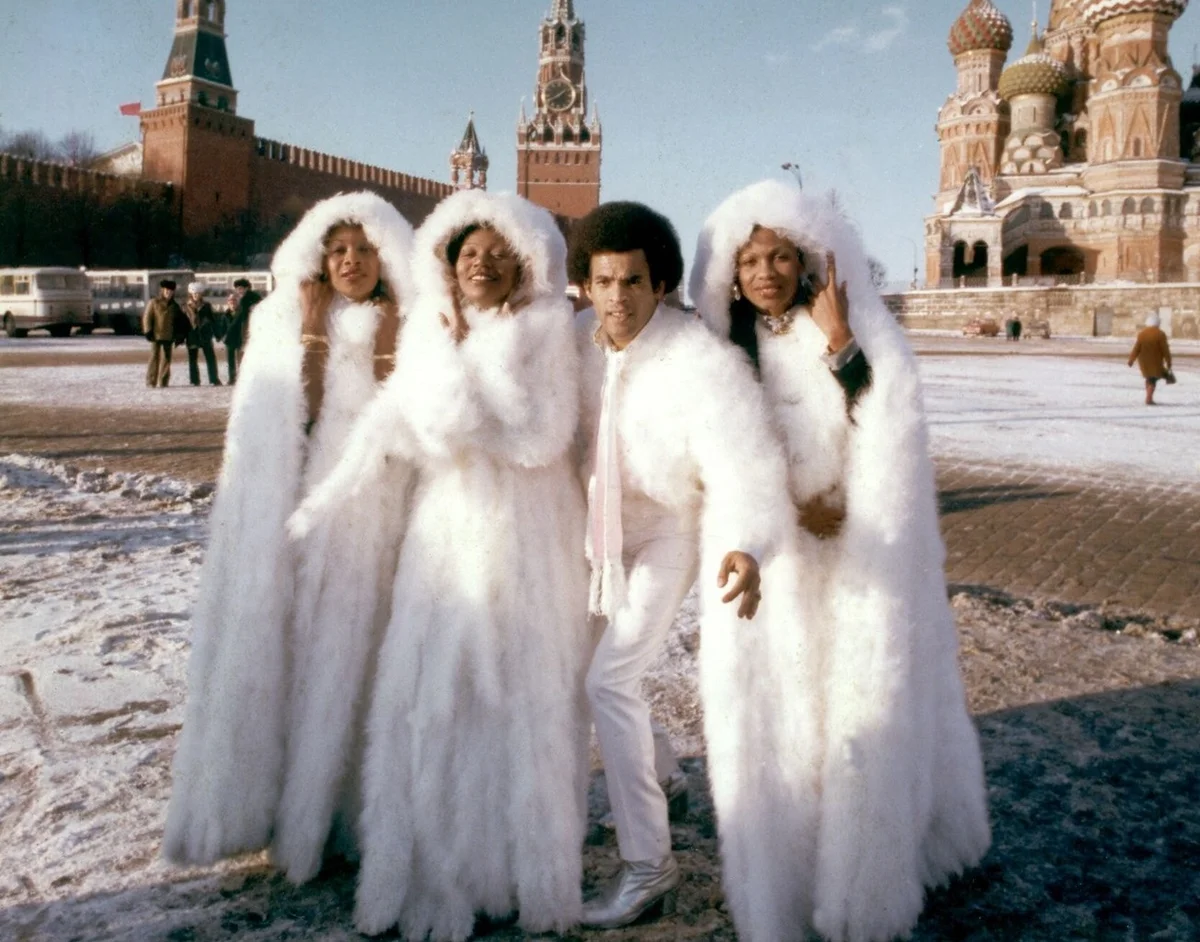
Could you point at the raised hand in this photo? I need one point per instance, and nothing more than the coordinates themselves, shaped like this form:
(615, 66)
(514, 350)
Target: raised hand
(831, 308)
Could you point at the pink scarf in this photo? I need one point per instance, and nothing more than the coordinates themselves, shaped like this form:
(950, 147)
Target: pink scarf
(605, 536)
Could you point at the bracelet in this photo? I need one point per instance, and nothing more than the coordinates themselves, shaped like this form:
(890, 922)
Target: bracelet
(314, 340)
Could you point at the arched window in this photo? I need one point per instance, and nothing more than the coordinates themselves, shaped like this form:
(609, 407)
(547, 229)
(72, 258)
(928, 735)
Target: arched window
(560, 35)
(1129, 207)
(1064, 211)
(1106, 208)
(1091, 209)
(568, 136)
(548, 136)
(1148, 205)
(1081, 144)
(1045, 211)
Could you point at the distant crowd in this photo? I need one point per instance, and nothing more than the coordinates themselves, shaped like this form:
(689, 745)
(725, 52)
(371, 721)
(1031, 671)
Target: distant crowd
(197, 325)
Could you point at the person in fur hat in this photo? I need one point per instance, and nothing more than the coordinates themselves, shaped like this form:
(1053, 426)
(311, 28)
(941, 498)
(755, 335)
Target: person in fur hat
(476, 761)
(1152, 353)
(874, 789)
(682, 474)
(282, 635)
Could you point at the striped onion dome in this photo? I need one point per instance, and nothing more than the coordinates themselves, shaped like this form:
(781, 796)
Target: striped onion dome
(1035, 73)
(1097, 11)
(980, 26)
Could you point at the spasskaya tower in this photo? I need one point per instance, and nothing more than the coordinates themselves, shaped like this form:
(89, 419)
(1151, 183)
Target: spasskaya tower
(558, 149)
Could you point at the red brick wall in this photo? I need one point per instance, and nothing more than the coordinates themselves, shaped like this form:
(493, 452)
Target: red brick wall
(569, 186)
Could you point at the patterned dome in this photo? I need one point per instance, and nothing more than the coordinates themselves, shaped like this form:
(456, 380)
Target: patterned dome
(1035, 73)
(1097, 11)
(981, 26)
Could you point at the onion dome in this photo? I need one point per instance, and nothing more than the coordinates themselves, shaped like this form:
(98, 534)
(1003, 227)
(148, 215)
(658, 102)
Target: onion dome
(1035, 73)
(980, 26)
(1096, 12)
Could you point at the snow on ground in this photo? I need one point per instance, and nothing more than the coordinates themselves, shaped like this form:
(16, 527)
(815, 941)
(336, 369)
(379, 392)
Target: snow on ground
(1073, 415)
(98, 572)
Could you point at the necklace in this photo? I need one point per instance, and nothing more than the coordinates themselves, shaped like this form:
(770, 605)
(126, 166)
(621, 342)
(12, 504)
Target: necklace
(779, 324)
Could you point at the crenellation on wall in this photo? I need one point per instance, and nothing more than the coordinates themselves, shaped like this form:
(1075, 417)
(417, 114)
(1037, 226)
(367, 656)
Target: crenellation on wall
(1070, 310)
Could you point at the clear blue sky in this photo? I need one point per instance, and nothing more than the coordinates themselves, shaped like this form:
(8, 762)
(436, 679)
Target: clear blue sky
(696, 98)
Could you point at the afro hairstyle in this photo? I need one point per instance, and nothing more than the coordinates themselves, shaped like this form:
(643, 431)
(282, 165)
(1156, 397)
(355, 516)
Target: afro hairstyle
(626, 227)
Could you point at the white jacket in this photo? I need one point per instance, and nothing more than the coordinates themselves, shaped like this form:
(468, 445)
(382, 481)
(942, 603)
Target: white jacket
(281, 635)
(877, 790)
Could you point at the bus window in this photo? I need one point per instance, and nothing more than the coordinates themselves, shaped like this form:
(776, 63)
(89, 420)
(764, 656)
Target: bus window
(22, 284)
(6, 284)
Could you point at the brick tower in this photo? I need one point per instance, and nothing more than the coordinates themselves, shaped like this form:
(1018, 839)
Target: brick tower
(193, 138)
(558, 149)
(469, 161)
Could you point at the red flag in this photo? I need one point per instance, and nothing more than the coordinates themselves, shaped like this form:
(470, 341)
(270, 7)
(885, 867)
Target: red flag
(133, 109)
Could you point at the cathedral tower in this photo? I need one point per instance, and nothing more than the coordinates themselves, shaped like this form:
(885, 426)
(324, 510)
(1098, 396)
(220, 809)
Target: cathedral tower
(973, 123)
(558, 149)
(193, 138)
(1135, 91)
(469, 161)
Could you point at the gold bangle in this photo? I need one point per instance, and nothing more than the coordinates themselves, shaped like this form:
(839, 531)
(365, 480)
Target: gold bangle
(313, 340)
(385, 356)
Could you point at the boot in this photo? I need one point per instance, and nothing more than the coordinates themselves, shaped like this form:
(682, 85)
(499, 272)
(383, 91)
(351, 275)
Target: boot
(641, 887)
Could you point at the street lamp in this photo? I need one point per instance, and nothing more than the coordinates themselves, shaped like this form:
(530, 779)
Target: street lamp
(794, 170)
(913, 243)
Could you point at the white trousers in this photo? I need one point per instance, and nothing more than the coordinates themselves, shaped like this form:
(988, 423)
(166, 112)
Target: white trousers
(660, 555)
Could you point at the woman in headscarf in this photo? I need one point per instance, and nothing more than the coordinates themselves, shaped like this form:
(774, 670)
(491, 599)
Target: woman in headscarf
(874, 787)
(476, 759)
(282, 635)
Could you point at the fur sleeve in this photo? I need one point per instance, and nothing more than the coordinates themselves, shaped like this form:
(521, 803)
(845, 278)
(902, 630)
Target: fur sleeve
(509, 389)
(740, 460)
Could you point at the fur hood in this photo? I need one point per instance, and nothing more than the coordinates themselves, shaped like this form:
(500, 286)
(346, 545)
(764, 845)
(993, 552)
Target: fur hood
(529, 229)
(811, 222)
(300, 255)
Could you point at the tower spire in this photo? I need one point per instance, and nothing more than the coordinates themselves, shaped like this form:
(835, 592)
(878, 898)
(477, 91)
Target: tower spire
(469, 161)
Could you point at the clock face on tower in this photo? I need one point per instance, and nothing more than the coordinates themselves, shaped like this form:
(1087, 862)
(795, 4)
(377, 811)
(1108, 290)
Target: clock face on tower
(559, 94)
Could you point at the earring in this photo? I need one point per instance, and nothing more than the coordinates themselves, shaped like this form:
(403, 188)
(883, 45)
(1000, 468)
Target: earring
(736, 292)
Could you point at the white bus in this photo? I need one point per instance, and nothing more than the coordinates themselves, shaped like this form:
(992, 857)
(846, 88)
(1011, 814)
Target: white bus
(52, 299)
(120, 297)
(218, 285)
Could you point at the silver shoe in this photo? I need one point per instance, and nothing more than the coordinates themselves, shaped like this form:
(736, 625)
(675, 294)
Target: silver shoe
(639, 888)
(675, 788)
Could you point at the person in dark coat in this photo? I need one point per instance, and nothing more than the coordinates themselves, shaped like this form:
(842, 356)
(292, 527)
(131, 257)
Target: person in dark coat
(200, 318)
(160, 323)
(1152, 354)
(237, 334)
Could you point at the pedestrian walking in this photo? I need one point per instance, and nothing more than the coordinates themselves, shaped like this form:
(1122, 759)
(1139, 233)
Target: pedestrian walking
(161, 323)
(237, 333)
(1153, 356)
(200, 318)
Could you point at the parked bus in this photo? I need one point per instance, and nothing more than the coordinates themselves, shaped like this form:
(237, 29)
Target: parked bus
(52, 299)
(218, 285)
(120, 297)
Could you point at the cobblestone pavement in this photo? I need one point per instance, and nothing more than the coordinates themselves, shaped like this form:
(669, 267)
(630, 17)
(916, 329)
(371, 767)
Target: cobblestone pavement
(1033, 532)
(1028, 531)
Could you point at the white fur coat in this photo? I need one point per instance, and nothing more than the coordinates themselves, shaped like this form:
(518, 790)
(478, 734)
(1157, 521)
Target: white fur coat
(848, 778)
(282, 634)
(476, 768)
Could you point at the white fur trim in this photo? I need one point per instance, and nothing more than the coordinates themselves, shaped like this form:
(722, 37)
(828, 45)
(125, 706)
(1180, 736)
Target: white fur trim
(300, 255)
(529, 229)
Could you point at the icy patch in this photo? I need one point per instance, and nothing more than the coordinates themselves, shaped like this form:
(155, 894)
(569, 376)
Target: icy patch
(27, 472)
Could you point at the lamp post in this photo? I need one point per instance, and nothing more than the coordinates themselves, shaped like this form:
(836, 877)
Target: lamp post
(794, 170)
(913, 243)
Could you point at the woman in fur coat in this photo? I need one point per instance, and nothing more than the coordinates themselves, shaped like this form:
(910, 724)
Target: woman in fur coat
(476, 743)
(283, 634)
(874, 789)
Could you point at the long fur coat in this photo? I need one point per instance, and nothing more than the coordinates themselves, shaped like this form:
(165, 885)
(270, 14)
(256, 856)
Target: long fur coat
(282, 634)
(476, 763)
(848, 777)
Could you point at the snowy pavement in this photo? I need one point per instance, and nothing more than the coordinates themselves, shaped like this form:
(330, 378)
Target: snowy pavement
(98, 571)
